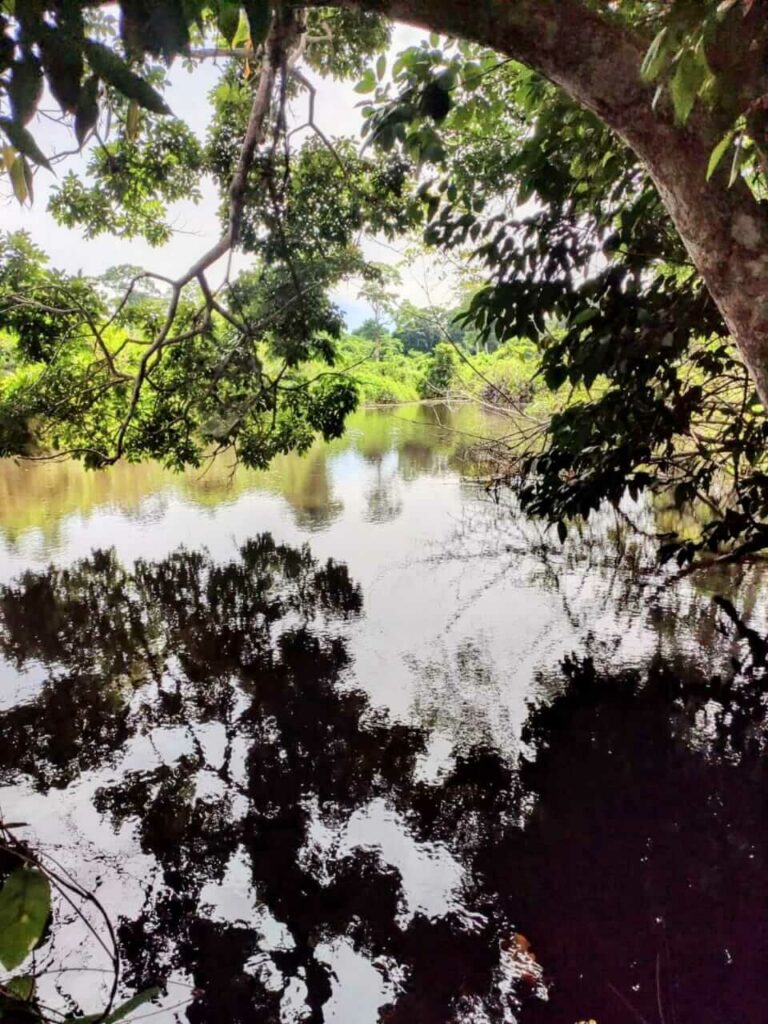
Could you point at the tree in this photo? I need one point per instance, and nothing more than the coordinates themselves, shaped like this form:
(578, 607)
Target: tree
(681, 86)
(441, 371)
(377, 291)
(595, 53)
(422, 329)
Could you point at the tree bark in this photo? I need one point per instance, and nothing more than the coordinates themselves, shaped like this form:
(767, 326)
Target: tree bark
(596, 61)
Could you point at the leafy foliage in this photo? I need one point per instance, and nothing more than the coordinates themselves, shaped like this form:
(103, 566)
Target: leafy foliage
(441, 372)
(104, 375)
(135, 178)
(480, 154)
(582, 260)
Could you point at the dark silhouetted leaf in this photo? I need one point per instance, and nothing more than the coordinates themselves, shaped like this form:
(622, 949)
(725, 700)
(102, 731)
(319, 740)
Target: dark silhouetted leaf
(25, 89)
(64, 67)
(87, 113)
(259, 14)
(228, 19)
(166, 30)
(23, 141)
(116, 72)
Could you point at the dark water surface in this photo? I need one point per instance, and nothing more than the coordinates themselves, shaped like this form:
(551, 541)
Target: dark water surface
(348, 741)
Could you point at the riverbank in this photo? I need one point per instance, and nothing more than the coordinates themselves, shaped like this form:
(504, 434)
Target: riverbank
(387, 375)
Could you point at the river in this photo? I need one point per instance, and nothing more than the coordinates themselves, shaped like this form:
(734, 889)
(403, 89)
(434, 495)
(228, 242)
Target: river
(351, 741)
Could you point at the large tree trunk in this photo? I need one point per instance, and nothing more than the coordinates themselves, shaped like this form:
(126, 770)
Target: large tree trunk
(597, 62)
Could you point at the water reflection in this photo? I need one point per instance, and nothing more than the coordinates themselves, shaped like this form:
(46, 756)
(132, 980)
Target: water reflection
(414, 441)
(308, 859)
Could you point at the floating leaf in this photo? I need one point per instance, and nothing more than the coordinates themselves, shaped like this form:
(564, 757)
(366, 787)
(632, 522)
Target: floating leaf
(166, 29)
(131, 27)
(23, 141)
(243, 34)
(25, 903)
(29, 179)
(193, 12)
(116, 72)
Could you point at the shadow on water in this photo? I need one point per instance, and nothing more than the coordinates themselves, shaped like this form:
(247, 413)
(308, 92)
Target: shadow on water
(613, 870)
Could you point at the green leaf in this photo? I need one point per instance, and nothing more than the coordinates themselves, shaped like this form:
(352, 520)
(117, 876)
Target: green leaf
(87, 112)
(29, 179)
(259, 14)
(25, 903)
(719, 152)
(562, 531)
(23, 141)
(243, 33)
(18, 177)
(584, 316)
(122, 1011)
(116, 72)
(228, 19)
(132, 121)
(688, 78)
(381, 66)
(655, 56)
(367, 83)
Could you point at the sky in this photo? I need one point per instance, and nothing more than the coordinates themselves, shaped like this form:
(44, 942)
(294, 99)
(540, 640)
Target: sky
(196, 226)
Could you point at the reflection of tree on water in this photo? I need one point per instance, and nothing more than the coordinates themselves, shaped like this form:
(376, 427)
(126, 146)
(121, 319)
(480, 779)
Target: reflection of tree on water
(382, 498)
(627, 848)
(642, 868)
